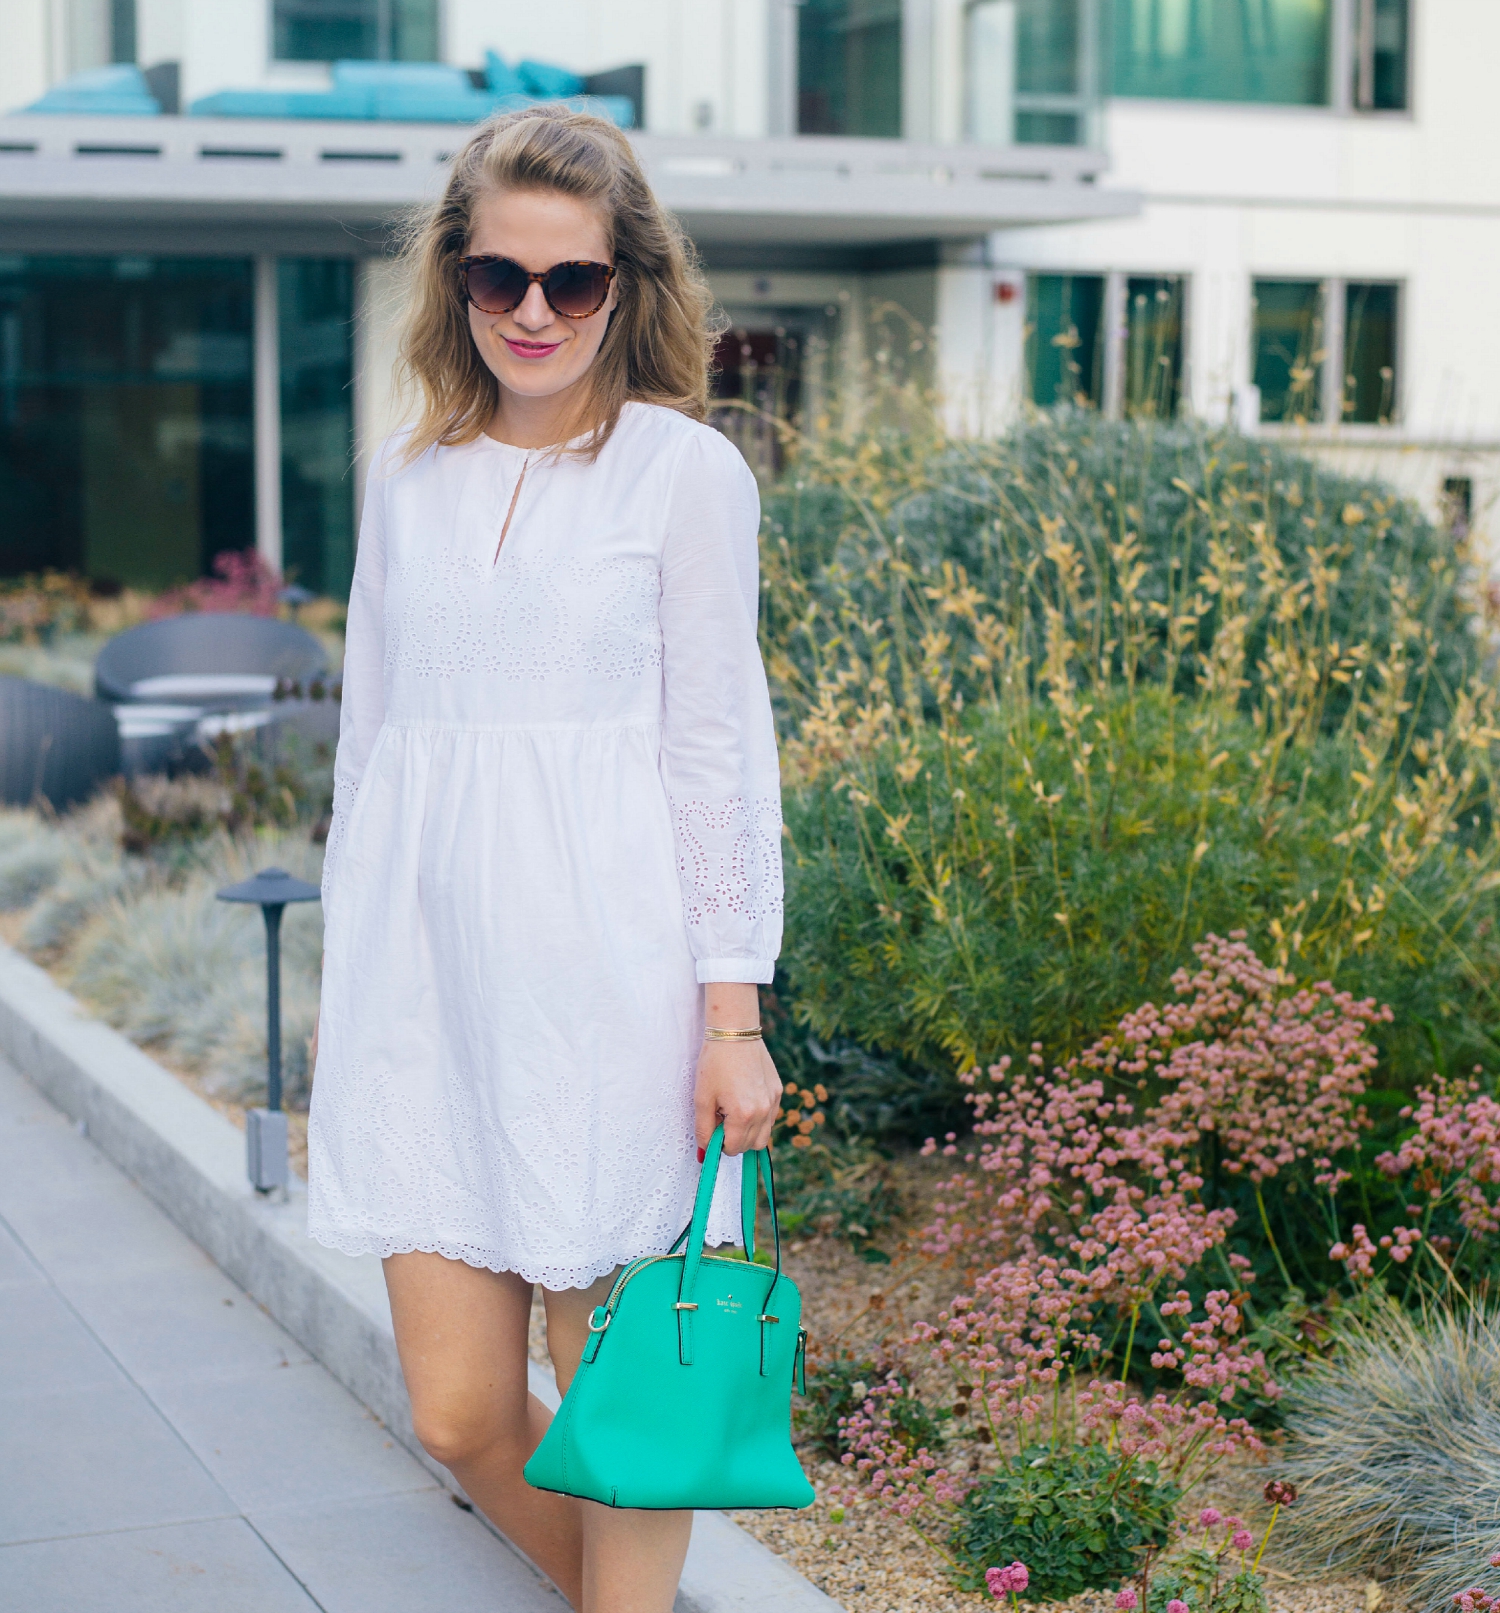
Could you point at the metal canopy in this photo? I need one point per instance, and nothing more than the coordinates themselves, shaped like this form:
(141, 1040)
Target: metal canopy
(59, 172)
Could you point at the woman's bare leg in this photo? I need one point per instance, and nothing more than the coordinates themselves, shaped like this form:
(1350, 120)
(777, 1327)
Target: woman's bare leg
(632, 1560)
(461, 1335)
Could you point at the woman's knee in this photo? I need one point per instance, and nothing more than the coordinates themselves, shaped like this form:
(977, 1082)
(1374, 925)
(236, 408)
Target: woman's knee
(458, 1435)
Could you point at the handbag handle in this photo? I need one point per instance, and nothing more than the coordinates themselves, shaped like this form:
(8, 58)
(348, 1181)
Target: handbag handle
(758, 1161)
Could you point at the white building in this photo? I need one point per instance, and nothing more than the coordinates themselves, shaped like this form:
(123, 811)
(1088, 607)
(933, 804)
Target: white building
(1279, 209)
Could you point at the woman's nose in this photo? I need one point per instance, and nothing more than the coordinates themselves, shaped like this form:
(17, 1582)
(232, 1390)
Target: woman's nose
(533, 312)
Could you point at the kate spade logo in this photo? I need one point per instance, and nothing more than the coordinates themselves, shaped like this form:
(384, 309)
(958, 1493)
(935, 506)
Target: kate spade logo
(730, 1303)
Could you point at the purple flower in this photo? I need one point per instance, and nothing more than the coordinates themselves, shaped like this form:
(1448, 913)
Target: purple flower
(1242, 1540)
(1209, 1517)
(1127, 1601)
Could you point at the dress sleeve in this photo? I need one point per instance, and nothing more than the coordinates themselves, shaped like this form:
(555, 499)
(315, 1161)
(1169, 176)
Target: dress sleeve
(363, 702)
(718, 750)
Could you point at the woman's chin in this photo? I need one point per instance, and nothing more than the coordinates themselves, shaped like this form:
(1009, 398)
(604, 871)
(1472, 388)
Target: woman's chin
(534, 378)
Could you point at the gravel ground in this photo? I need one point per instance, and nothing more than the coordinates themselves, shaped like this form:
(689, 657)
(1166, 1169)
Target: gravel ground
(874, 1563)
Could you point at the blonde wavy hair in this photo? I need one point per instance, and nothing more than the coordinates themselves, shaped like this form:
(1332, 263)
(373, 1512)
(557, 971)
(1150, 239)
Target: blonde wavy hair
(660, 335)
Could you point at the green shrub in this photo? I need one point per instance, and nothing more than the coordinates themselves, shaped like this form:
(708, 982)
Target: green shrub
(1196, 1576)
(1143, 507)
(960, 895)
(1079, 1516)
(1057, 707)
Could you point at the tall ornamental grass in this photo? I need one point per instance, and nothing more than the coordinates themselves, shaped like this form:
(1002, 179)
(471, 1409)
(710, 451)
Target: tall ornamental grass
(1056, 707)
(1396, 1453)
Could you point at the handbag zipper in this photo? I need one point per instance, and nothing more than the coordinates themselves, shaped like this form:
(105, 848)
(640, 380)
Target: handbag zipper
(638, 1265)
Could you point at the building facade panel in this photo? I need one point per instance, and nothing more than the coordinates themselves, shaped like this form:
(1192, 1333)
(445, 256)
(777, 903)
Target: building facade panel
(1347, 150)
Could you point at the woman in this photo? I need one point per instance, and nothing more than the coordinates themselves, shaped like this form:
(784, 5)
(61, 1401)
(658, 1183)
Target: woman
(553, 879)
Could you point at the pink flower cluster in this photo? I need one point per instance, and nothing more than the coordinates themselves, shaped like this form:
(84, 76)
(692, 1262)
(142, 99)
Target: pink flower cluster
(1272, 1069)
(1359, 1253)
(242, 581)
(1007, 1581)
(1454, 1152)
(1084, 1220)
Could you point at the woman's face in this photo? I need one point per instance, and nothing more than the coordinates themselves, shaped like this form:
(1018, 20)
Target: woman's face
(533, 351)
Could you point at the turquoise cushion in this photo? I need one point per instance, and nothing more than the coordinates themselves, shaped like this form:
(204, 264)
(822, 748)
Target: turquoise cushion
(119, 90)
(539, 78)
(501, 77)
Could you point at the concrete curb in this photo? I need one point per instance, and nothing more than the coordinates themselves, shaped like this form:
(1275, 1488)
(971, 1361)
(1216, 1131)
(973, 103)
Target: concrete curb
(191, 1161)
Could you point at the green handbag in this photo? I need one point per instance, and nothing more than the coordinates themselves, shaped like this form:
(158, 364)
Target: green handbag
(683, 1397)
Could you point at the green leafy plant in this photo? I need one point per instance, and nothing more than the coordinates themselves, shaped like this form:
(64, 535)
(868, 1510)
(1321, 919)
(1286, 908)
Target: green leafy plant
(837, 1386)
(838, 1186)
(1078, 1516)
(1204, 1574)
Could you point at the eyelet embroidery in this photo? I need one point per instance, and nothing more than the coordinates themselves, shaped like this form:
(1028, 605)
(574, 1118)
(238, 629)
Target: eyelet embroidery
(481, 1211)
(729, 861)
(523, 617)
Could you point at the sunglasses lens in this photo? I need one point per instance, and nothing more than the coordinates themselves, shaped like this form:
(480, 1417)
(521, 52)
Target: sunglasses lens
(497, 286)
(576, 290)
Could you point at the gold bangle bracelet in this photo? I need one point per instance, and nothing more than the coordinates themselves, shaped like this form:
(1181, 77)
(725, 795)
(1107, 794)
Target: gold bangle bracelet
(712, 1033)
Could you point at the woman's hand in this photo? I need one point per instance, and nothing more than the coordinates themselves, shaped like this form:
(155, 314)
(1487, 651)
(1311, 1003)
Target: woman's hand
(737, 1081)
(738, 1084)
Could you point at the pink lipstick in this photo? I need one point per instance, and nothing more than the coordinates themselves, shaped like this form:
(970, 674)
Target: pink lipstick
(531, 349)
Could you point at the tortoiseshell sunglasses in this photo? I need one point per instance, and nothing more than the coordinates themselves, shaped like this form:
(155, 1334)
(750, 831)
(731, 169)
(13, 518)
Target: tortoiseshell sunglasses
(499, 285)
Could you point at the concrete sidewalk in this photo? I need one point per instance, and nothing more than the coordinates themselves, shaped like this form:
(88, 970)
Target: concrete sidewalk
(167, 1448)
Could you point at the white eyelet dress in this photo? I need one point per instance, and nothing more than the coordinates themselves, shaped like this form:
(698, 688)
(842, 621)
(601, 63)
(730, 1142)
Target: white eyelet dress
(556, 814)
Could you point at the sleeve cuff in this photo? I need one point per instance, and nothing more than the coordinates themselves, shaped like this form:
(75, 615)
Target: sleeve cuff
(745, 971)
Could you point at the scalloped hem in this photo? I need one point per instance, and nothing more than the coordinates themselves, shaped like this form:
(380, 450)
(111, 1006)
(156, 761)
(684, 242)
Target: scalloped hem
(363, 1243)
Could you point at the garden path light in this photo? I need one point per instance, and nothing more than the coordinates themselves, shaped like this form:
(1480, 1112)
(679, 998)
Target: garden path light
(265, 1129)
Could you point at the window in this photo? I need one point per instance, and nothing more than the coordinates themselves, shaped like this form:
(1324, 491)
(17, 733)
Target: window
(1369, 353)
(1380, 55)
(1053, 69)
(1153, 346)
(1326, 350)
(126, 424)
(1223, 50)
(315, 312)
(991, 63)
(1064, 354)
(122, 30)
(849, 67)
(358, 30)
(1114, 342)
(1288, 320)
